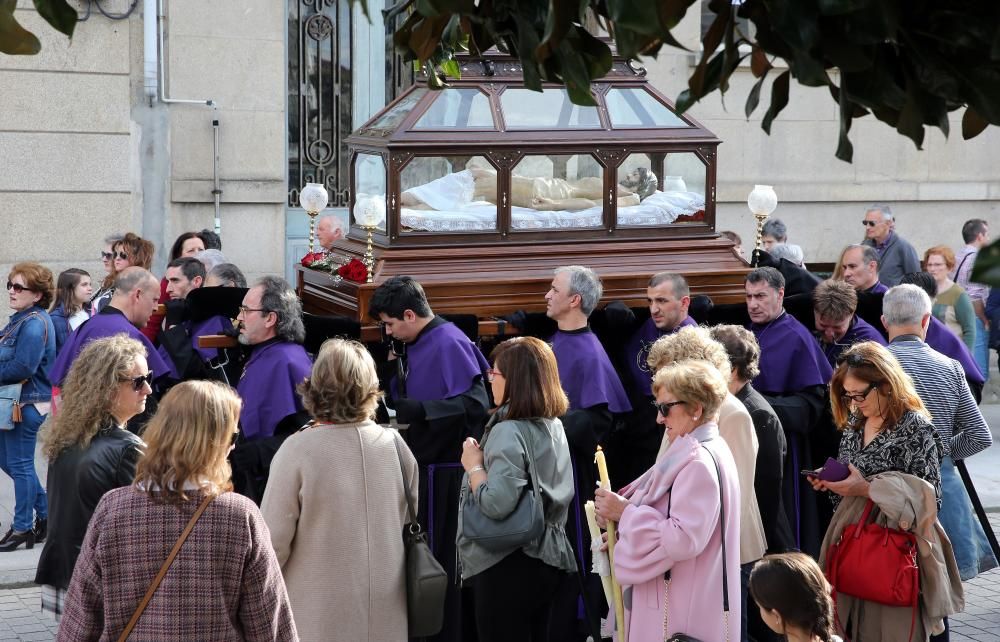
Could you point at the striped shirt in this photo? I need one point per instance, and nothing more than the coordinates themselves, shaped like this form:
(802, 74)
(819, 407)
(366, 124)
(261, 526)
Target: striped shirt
(965, 261)
(940, 382)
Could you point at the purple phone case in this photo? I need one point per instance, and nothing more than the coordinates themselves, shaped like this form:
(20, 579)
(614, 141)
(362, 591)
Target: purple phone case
(834, 470)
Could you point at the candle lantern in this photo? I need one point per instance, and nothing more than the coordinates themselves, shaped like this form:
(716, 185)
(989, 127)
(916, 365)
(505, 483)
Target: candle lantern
(762, 201)
(313, 199)
(369, 213)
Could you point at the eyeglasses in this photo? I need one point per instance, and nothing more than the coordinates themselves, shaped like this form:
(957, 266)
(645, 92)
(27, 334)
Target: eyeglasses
(123, 256)
(869, 223)
(492, 374)
(18, 288)
(854, 360)
(107, 256)
(664, 408)
(141, 380)
(245, 310)
(859, 397)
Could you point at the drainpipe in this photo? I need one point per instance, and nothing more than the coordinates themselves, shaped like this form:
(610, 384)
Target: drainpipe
(163, 76)
(149, 49)
(216, 189)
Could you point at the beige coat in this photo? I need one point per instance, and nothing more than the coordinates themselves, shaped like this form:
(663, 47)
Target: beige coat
(335, 507)
(907, 503)
(736, 429)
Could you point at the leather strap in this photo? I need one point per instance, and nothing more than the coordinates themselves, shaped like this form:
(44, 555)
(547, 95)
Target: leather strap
(163, 569)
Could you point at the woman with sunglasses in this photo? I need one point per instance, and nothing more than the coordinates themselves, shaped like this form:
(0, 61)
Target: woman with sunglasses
(513, 589)
(224, 583)
(885, 429)
(127, 251)
(103, 293)
(27, 351)
(89, 450)
(679, 524)
(73, 291)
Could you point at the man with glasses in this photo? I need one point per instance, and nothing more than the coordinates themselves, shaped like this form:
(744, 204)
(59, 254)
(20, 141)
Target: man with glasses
(793, 377)
(940, 382)
(896, 256)
(837, 325)
(270, 323)
(136, 295)
(439, 393)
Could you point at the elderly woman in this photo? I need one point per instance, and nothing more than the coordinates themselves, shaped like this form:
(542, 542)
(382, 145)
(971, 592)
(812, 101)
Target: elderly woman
(952, 306)
(736, 429)
(27, 350)
(225, 584)
(89, 450)
(512, 589)
(679, 524)
(887, 431)
(336, 503)
(73, 290)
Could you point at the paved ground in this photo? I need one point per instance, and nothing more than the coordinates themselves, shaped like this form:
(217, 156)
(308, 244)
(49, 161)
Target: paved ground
(21, 619)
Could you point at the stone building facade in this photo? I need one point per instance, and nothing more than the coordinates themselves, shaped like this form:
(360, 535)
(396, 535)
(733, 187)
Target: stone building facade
(85, 151)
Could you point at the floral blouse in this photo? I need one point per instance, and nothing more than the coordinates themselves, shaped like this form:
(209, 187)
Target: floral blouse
(912, 446)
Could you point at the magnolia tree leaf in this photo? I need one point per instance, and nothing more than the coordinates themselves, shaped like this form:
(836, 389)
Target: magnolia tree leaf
(59, 14)
(972, 124)
(15, 40)
(987, 267)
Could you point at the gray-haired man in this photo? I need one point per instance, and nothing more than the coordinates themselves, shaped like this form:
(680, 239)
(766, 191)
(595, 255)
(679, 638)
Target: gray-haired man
(896, 256)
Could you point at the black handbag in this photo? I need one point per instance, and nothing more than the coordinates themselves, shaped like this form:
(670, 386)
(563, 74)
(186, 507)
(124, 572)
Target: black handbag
(523, 526)
(426, 579)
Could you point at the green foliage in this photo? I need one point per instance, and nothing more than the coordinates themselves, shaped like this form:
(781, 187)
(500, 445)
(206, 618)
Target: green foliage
(15, 40)
(987, 267)
(907, 63)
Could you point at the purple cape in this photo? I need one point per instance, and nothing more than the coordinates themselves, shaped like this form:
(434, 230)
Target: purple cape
(878, 288)
(859, 331)
(267, 386)
(109, 322)
(211, 325)
(944, 341)
(790, 357)
(442, 363)
(586, 372)
(637, 350)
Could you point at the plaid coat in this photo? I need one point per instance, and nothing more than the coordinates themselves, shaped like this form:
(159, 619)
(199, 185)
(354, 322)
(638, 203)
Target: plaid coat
(225, 583)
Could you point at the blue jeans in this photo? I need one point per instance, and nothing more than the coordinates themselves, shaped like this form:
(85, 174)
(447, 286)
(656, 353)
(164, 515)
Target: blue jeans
(981, 349)
(968, 540)
(17, 459)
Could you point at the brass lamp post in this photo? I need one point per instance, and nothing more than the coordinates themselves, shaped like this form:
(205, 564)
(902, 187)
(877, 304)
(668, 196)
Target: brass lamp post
(313, 198)
(369, 213)
(762, 201)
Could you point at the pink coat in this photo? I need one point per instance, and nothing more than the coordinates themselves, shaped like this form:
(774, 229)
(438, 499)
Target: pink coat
(688, 543)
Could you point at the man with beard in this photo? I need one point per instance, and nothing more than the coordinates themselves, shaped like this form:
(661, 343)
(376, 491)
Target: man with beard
(270, 322)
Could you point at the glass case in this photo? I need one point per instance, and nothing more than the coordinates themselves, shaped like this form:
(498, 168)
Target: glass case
(487, 160)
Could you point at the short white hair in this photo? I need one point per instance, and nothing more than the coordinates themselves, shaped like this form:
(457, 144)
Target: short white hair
(905, 304)
(586, 283)
(882, 209)
(211, 258)
(789, 251)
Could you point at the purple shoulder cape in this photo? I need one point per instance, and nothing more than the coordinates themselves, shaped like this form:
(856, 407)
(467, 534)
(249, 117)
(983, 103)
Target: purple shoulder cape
(859, 331)
(267, 386)
(211, 325)
(586, 373)
(442, 363)
(944, 341)
(637, 350)
(790, 357)
(105, 324)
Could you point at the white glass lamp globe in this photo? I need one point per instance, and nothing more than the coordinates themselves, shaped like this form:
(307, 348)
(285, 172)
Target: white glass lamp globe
(313, 197)
(762, 200)
(369, 211)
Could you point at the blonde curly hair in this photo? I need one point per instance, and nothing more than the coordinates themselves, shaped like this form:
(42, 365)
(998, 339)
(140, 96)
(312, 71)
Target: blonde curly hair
(691, 342)
(89, 392)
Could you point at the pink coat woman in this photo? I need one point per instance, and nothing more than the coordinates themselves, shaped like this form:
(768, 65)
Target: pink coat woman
(688, 542)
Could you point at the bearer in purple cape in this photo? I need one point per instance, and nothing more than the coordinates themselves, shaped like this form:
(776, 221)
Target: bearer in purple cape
(439, 393)
(596, 397)
(136, 295)
(837, 325)
(270, 322)
(793, 377)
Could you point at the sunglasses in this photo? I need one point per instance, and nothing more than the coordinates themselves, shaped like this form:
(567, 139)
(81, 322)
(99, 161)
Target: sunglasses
(107, 256)
(859, 397)
(854, 360)
(140, 381)
(18, 288)
(664, 408)
(869, 223)
(123, 256)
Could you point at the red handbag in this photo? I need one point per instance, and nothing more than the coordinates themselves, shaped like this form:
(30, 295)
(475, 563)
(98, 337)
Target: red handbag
(875, 563)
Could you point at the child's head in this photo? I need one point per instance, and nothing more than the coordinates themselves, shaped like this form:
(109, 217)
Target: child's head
(792, 592)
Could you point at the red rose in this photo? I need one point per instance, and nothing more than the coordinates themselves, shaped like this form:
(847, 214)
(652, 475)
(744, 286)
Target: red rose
(354, 270)
(311, 258)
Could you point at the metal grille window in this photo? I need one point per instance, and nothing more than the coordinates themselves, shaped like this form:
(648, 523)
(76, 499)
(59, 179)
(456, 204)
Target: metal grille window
(319, 97)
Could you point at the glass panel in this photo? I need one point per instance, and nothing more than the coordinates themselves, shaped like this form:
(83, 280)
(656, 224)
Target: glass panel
(661, 189)
(390, 120)
(557, 191)
(457, 108)
(634, 107)
(550, 109)
(319, 98)
(448, 194)
(369, 179)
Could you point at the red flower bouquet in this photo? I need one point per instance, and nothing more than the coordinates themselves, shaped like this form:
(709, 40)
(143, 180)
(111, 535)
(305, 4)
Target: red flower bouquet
(312, 258)
(354, 270)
